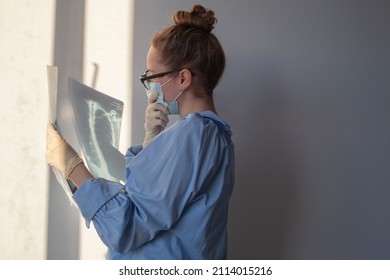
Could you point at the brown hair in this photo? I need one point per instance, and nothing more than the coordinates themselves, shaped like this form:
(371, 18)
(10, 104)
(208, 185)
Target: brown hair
(189, 43)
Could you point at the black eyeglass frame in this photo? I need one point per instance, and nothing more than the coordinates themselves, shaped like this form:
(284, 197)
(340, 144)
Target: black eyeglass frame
(143, 78)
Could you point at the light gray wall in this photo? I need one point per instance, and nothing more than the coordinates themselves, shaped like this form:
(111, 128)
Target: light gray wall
(63, 220)
(306, 91)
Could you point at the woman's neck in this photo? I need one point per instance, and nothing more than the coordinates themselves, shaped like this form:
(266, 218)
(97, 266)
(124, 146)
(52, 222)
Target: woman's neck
(191, 103)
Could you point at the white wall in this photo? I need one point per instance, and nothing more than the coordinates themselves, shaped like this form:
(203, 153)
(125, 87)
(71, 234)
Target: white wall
(107, 50)
(26, 28)
(88, 33)
(37, 219)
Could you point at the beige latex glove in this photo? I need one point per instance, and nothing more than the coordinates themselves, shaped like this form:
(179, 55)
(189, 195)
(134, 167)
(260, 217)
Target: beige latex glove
(156, 118)
(59, 153)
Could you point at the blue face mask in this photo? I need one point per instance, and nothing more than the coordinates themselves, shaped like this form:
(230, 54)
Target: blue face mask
(173, 106)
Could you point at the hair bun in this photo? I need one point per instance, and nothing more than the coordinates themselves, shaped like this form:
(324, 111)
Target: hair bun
(198, 17)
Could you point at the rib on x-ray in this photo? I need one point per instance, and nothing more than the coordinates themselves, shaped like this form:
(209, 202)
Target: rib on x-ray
(97, 120)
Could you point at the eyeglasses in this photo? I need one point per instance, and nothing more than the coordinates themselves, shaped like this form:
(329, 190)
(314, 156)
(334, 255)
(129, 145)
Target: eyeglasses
(145, 77)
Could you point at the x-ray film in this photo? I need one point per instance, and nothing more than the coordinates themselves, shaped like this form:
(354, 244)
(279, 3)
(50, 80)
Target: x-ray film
(52, 78)
(97, 120)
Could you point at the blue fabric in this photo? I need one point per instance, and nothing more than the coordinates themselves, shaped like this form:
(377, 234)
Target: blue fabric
(174, 204)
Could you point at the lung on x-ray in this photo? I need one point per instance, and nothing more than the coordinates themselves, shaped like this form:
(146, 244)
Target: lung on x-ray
(97, 120)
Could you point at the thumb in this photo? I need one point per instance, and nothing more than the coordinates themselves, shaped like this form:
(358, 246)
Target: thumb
(52, 135)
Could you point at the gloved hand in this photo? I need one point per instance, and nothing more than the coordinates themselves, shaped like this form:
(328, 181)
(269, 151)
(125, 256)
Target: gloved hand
(156, 118)
(59, 153)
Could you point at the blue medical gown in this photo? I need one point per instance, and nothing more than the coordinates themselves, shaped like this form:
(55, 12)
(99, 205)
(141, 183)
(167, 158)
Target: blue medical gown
(174, 204)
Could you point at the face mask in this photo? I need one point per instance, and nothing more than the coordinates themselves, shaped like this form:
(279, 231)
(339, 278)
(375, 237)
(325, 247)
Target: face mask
(173, 106)
(158, 88)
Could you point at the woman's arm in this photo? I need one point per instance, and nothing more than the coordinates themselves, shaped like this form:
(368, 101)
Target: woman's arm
(80, 174)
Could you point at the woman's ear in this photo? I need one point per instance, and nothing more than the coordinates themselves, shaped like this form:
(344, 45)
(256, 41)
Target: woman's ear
(185, 76)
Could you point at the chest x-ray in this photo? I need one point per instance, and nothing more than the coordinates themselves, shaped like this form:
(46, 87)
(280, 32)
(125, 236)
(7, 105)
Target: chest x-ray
(97, 120)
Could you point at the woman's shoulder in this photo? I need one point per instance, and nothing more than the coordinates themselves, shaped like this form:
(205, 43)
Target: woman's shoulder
(206, 119)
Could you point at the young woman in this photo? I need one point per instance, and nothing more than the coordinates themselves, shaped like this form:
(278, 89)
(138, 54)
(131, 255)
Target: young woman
(174, 204)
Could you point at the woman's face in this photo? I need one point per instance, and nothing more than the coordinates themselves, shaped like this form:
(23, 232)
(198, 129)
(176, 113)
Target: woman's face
(171, 89)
